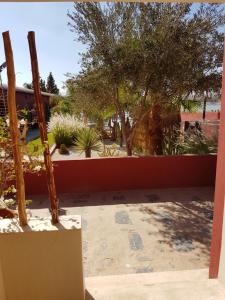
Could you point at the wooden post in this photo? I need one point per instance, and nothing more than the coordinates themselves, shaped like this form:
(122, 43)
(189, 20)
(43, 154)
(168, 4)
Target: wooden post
(42, 127)
(20, 188)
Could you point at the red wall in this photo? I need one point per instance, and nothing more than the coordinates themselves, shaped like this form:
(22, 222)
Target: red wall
(217, 229)
(197, 116)
(102, 174)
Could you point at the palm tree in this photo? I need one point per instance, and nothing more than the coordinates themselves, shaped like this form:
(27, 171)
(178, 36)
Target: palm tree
(87, 140)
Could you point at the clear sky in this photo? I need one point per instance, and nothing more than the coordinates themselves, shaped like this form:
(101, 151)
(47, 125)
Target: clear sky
(57, 50)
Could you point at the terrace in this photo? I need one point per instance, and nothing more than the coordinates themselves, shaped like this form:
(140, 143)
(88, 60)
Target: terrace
(151, 227)
(147, 226)
(140, 231)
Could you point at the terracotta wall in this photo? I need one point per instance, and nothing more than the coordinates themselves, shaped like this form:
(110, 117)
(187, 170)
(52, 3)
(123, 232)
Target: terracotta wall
(104, 174)
(197, 116)
(218, 233)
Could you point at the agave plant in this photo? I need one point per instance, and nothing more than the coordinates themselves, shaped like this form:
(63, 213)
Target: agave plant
(87, 140)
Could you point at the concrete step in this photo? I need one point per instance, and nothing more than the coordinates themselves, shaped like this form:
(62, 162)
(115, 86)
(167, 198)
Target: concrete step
(177, 285)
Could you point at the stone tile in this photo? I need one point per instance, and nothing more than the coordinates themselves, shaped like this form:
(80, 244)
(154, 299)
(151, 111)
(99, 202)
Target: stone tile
(144, 270)
(164, 218)
(182, 244)
(144, 258)
(135, 241)
(122, 217)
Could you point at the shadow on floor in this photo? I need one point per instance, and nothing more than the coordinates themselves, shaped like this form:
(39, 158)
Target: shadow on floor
(183, 223)
(112, 198)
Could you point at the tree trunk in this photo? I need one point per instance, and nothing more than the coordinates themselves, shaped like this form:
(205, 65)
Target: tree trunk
(121, 138)
(155, 130)
(123, 123)
(113, 131)
(100, 125)
(204, 109)
(88, 153)
(125, 134)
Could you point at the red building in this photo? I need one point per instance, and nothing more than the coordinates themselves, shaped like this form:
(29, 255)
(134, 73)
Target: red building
(24, 99)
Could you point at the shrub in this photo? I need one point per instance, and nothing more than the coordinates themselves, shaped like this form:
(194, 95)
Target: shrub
(7, 168)
(198, 144)
(87, 140)
(194, 142)
(64, 128)
(109, 151)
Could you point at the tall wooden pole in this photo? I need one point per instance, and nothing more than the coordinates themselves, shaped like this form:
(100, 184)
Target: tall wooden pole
(20, 188)
(42, 127)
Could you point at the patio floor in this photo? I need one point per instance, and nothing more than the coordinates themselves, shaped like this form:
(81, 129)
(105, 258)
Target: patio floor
(140, 231)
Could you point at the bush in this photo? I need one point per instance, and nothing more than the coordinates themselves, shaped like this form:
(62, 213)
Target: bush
(198, 144)
(109, 151)
(64, 129)
(7, 168)
(194, 142)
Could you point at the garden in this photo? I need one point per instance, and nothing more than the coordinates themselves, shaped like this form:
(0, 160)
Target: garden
(136, 79)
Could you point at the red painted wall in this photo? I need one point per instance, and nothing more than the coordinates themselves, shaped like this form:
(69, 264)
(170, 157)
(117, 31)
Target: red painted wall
(102, 174)
(192, 117)
(217, 229)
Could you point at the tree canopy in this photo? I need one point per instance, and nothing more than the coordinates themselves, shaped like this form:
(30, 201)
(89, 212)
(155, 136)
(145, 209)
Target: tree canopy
(51, 86)
(43, 86)
(150, 56)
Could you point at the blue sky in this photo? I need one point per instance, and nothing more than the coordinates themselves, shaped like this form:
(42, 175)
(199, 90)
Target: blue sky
(57, 50)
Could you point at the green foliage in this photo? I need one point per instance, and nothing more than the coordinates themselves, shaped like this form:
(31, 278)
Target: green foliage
(42, 85)
(190, 105)
(109, 151)
(30, 85)
(195, 142)
(172, 142)
(64, 136)
(91, 88)
(35, 148)
(7, 169)
(51, 86)
(64, 129)
(198, 144)
(140, 54)
(87, 140)
(23, 114)
(61, 105)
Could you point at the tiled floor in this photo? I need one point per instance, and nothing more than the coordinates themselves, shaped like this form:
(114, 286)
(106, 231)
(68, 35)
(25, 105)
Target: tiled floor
(140, 231)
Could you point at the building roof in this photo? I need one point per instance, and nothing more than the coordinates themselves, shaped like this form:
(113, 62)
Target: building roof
(27, 91)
